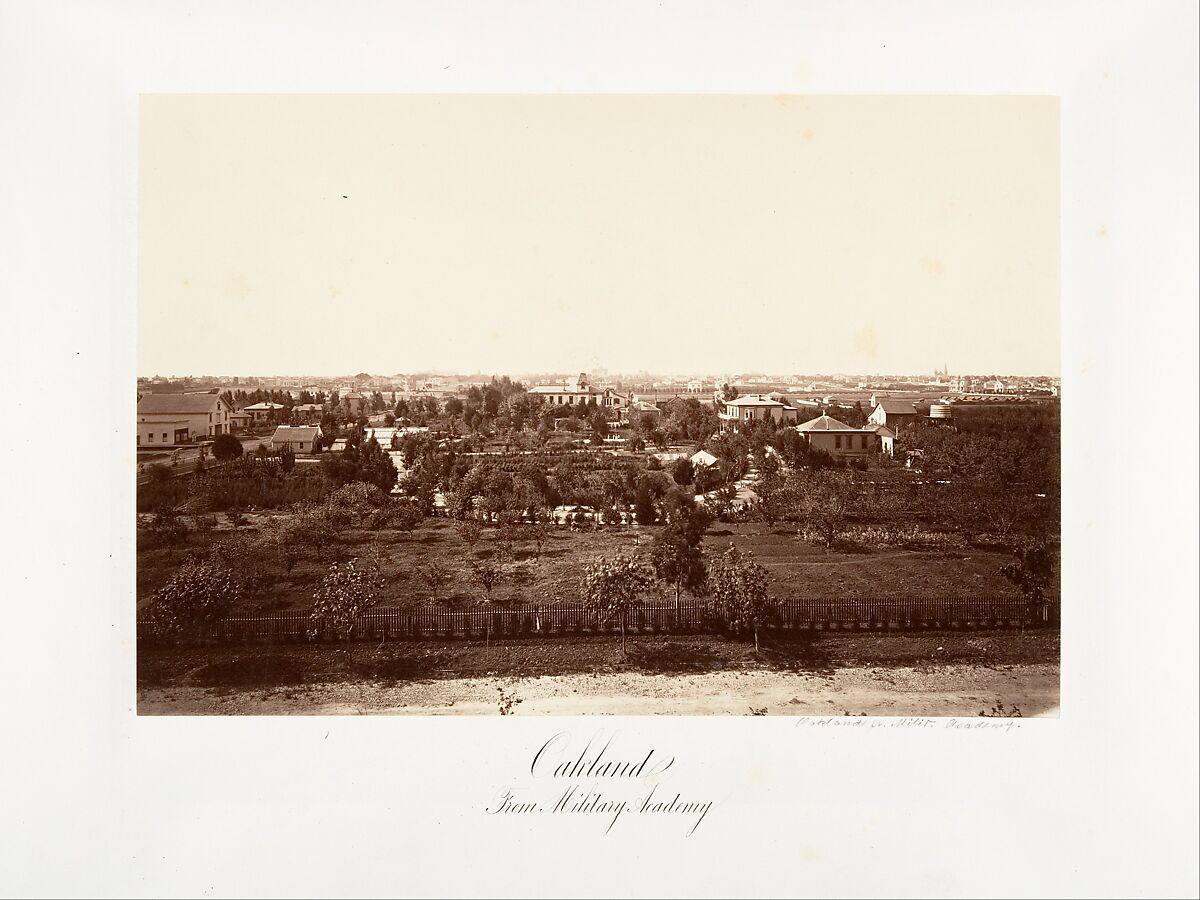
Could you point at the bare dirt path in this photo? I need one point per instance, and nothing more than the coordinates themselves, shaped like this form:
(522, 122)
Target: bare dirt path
(951, 690)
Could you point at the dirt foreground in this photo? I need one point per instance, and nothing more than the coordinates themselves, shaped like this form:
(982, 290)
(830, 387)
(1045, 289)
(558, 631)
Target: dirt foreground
(946, 690)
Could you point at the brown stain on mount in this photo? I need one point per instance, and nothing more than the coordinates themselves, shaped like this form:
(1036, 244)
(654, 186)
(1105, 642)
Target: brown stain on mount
(932, 266)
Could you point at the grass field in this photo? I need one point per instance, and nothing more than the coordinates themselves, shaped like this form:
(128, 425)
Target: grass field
(798, 570)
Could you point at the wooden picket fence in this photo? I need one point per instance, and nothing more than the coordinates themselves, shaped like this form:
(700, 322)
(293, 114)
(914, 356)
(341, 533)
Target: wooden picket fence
(574, 618)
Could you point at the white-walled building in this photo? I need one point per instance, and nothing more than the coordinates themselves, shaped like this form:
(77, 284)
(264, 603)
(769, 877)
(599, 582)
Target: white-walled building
(577, 391)
(261, 412)
(741, 412)
(167, 419)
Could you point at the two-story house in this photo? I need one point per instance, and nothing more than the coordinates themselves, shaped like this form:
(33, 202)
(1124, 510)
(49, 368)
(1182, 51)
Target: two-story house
(578, 391)
(179, 418)
(739, 413)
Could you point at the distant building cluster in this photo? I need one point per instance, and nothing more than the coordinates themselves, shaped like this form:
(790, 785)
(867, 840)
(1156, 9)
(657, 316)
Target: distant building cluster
(181, 411)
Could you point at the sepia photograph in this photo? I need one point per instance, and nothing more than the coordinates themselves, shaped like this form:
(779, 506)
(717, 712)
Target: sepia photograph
(687, 448)
(609, 404)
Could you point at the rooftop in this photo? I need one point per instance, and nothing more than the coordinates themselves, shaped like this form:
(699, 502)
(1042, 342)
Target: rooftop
(754, 400)
(825, 423)
(296, 433)
(897, 407)
(176, 404)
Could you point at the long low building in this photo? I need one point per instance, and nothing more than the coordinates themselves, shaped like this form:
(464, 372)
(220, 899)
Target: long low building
(577, 391)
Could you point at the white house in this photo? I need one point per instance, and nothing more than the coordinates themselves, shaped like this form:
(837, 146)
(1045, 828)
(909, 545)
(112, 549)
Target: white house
(741, 412)
(178, 418)
(261, 412)
(578, 391)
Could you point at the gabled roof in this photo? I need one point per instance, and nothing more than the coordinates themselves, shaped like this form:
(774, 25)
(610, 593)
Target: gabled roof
(825, 423)
(703, 458)
(296, 433)
(353, 395)
(177, 404)
(897, 407)
(884, 430)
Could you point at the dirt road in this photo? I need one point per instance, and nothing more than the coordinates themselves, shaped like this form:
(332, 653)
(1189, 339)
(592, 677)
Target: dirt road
(950, 690)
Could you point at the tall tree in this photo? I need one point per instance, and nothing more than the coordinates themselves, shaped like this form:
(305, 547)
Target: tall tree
(678, 560)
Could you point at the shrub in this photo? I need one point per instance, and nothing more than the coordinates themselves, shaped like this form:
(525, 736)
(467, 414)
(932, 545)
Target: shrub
(226, 447)
(204, 523)
(197, 596)
(167, 529)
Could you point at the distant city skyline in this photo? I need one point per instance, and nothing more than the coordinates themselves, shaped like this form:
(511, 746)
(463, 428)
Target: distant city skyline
(343, 234)
(300, 376)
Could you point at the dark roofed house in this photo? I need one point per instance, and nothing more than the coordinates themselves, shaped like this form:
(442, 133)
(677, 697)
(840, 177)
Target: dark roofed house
(893, 413)
(355, 402)
(300, 438)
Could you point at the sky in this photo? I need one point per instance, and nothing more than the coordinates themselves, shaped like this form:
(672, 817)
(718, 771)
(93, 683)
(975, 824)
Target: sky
(391, 234)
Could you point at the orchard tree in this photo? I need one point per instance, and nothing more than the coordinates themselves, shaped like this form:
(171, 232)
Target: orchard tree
(345, 593)
(486, 575)
(435, 576)
(196, 597)
(407, 516)
(613, 588)
(469, 531)
(535, 533)
(824, 500)
(305, 534)
(739, 587)
(774, 498)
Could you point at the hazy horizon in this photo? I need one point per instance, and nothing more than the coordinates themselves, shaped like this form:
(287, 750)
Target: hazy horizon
(562, 233)
(516, 376)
